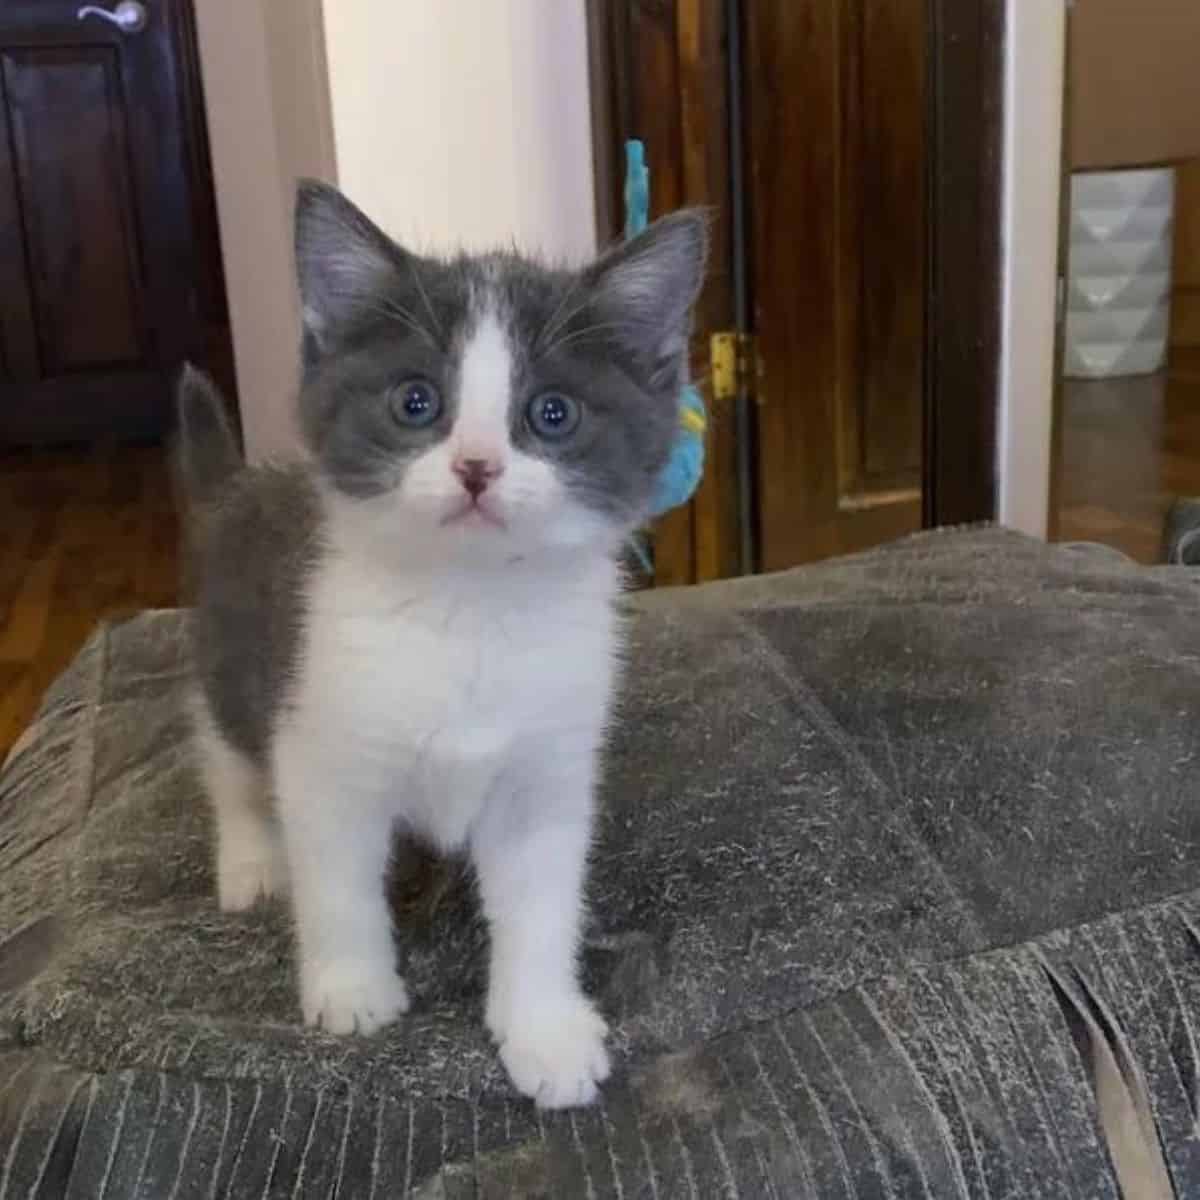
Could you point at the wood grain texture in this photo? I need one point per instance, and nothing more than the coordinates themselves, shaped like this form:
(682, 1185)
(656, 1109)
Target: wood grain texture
(836, 115)
(1185, 299)
(1187, 225)
(883, 54)
(86, 537)
(68, 136)
(704, 119)
(1185, 318)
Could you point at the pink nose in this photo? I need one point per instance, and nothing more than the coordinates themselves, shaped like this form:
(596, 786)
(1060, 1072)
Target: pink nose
(476, 473)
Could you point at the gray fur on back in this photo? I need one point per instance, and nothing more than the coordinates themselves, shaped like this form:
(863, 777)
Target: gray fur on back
(251, 555)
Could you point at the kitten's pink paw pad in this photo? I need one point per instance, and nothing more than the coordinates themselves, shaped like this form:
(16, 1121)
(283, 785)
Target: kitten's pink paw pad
(240, 885)
(557, 1057)
(352, 997)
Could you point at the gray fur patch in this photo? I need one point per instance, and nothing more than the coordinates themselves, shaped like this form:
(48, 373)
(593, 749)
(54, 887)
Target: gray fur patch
(252, 553)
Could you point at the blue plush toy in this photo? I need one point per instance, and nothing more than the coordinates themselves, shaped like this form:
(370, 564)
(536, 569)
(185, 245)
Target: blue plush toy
(682, 473)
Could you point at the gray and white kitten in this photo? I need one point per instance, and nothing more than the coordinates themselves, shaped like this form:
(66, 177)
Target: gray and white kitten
(415, 630)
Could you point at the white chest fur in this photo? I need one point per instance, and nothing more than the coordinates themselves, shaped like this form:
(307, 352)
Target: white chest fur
(428, 688)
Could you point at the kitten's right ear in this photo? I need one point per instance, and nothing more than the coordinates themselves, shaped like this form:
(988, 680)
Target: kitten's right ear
(650, 283)
(342, 259)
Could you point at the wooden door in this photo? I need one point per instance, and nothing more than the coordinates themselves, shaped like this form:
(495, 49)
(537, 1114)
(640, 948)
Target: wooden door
(109, 266)
(836, 117)
(861, 141)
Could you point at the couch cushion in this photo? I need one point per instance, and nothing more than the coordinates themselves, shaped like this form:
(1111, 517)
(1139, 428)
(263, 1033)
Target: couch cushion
(879, 838)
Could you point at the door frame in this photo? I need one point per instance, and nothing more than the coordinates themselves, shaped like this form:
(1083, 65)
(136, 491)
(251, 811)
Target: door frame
(964, 297)
(213, 296)
(964, 276)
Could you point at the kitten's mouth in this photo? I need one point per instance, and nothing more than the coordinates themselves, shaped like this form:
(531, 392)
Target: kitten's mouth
(471, 512)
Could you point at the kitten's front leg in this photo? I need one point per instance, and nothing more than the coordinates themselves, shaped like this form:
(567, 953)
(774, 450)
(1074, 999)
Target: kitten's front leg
(337, 829)
(530, 851)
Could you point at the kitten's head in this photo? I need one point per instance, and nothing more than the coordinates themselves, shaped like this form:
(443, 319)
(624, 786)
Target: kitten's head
(491, 403)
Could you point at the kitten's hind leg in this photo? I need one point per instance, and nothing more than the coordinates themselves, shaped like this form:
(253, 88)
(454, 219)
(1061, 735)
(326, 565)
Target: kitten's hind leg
(251, 863)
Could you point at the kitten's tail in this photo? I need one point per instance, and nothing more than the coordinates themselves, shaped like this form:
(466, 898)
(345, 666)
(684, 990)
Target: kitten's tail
(207, 454)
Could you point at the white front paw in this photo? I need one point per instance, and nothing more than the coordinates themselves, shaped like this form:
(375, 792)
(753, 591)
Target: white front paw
(354, 996)
(554, 1053)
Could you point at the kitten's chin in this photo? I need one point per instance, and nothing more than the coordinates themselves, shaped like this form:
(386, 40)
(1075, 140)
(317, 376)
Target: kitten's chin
(469, 514)
(454, 531)
(481, 535)
(511, 527)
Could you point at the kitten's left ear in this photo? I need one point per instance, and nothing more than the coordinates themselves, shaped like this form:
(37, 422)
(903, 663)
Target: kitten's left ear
(342, 259)
(649, 285)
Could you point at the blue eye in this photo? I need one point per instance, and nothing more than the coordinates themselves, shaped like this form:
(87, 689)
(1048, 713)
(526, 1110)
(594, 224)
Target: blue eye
(415, 403)
(553, 416)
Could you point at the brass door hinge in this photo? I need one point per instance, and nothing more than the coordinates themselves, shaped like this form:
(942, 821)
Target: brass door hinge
(732, 359)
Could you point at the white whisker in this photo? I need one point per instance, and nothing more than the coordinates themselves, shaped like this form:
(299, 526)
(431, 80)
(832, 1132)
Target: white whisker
(416, 274)
(585, 331)
(394, 311)
(560, 316)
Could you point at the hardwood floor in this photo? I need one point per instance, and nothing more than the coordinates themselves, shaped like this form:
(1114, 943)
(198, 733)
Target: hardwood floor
(85, 535)
(1129, 448)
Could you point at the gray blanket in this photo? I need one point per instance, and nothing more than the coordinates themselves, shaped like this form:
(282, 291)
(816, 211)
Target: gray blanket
(897, 852)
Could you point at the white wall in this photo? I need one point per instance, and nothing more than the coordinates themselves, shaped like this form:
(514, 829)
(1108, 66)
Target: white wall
(465, 122)
(1033, 167)
(268, 122)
